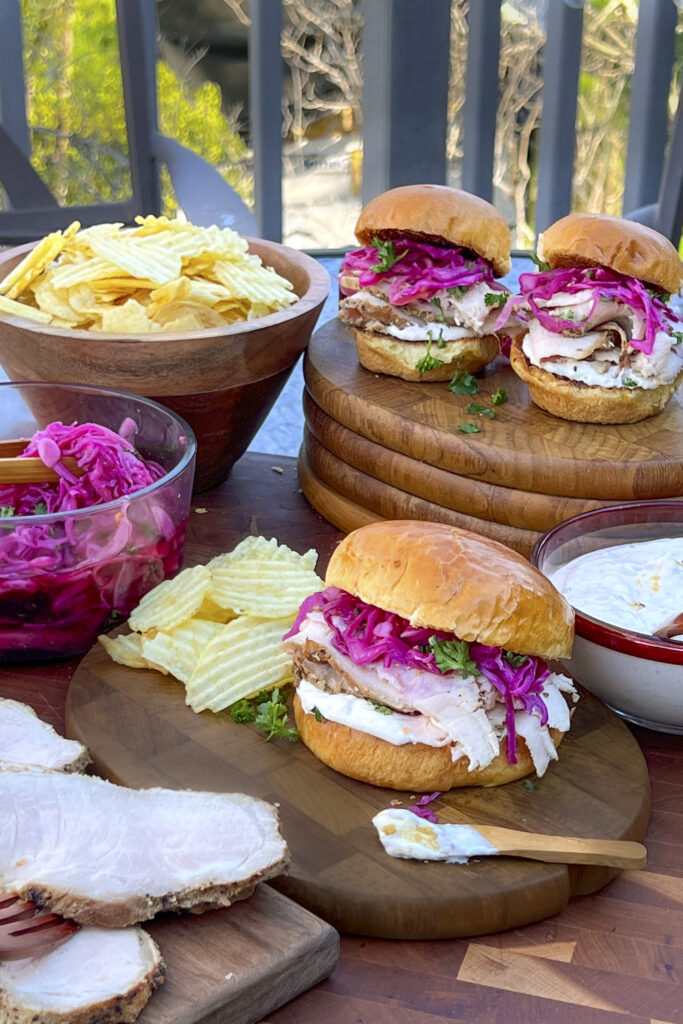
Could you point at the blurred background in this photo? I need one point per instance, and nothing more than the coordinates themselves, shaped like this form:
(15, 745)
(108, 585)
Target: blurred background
(75, 114)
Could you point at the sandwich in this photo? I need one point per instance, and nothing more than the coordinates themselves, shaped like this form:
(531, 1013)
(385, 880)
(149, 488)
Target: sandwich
(599, 342)
(421, 295)
(422, 665)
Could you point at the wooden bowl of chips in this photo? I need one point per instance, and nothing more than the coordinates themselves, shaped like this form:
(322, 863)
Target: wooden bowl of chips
(222, 377)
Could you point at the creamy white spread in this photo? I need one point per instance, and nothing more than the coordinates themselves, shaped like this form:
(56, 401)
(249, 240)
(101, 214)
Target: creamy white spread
(403, 834)
(635, 586)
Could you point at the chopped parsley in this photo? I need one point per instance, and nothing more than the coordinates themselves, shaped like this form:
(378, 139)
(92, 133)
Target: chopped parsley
(496, 298)
(381, 709)
(317, 714)
(441, 316)
(481, 410)
(629, 382)
(516, 660)
(267, 711)
(440, 341)
(539, 263)
(500, 397)
(678, 335)
(457, 291)
(452, 654)
(469, 428)
(6, 511)
(387, 256)
(463, 383)
(428, 362)
(40, 508)
(528, 784)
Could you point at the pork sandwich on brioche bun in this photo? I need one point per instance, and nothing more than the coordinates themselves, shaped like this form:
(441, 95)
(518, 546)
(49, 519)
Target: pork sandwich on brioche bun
(421, 294)
(421, 666)
(602, 344)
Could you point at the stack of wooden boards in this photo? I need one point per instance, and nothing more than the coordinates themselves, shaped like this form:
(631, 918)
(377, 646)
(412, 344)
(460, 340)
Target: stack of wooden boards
(377, 447)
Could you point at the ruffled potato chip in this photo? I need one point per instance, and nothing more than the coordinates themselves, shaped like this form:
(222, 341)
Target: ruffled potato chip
(172, 601)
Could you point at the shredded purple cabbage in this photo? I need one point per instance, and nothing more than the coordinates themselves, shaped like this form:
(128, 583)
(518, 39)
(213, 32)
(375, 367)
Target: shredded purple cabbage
(421, 809)
(423, 271)
(62, 579)
(366, 633)
(651, 309)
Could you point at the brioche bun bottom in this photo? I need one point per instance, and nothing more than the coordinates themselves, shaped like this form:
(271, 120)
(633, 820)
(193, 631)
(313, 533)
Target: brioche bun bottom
(380, 353)
(414, 766)
(587, 403)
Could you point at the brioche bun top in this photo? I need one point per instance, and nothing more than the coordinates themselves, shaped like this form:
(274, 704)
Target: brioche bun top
(442, 577)
(595, 239)
(438, 214)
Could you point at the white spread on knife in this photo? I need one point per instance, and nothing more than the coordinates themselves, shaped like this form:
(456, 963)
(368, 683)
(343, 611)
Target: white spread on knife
(403, 834)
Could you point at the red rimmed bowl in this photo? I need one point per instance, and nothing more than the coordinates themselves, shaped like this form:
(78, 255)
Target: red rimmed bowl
(638, 676)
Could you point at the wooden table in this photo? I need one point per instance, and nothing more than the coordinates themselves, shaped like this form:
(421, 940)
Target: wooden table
(616, 956)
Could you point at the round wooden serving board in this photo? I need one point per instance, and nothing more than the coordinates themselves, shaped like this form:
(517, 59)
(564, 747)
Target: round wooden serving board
(522, 448)
(141, 733)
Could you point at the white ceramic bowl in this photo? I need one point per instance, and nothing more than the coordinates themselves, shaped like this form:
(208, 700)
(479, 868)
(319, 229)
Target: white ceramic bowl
(640, 677)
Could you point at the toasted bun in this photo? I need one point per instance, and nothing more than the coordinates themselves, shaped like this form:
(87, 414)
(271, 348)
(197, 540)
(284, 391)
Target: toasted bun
(588, 403)
(594, 239)
(414, 766)
(446, 578)
(384, 354)
(438, 214)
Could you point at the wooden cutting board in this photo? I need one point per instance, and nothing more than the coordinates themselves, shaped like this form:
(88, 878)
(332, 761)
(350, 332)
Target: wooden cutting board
(141, 733)
(525, 510)
(240, 963)
(523, 447)
(391, 503)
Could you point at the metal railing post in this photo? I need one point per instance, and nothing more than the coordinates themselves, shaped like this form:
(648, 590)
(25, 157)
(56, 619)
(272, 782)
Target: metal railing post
(265, 114)
(481, 97)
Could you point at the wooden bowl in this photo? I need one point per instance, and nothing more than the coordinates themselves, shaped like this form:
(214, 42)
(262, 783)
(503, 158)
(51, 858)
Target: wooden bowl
(223, 381)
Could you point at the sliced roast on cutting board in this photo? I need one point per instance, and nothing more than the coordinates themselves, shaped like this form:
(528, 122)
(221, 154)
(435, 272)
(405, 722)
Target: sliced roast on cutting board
(101, 975)
(106, 855)
(26, 739)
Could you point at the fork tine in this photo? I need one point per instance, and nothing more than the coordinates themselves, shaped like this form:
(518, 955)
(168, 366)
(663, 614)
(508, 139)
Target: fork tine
(12, 909)
(30, 944)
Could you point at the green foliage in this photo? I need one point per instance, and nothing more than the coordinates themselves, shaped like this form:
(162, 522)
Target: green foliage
(75, 106)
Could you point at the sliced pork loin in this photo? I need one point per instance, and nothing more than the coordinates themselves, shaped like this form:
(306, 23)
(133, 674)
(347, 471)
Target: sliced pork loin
(106, 855)
(26, 739)
(98, 976)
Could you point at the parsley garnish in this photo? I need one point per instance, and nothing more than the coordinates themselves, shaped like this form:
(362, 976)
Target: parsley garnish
(381, 709)
(457, 290)
(481, 410)
(678, 335)
(500, 397)
(317, 714)
(496, 298)
(40, 508)
(267, 711)
(463, 383)
(437, 303)
(539, 263)
(469, 428)
(440, 341)
(6, 511)
(528, 784)
(516, 660)
(629, 382)
(387, 256)
(428, 362)
(452, 654)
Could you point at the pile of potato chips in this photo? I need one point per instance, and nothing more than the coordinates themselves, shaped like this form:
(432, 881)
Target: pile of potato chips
(218, 627)
(164, 275)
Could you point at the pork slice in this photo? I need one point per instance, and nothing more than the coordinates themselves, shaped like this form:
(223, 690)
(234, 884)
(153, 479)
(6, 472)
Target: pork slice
(106, 855)
(25, 739)
(98, 976)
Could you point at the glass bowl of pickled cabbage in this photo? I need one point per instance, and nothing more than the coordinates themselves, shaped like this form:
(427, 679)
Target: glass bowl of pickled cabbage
(102, 524)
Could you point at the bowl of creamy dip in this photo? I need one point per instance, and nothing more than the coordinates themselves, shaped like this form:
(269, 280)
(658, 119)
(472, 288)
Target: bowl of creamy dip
(621, 568)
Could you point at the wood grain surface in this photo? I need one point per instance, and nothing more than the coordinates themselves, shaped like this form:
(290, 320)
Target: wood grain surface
(525, 510)
(140, 732)
(523, 447)
(391, 503)
(240, 963)
(614, 957)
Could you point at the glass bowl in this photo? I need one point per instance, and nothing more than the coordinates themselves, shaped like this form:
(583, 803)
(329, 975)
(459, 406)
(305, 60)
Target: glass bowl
(638, 676)
(67, 576)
